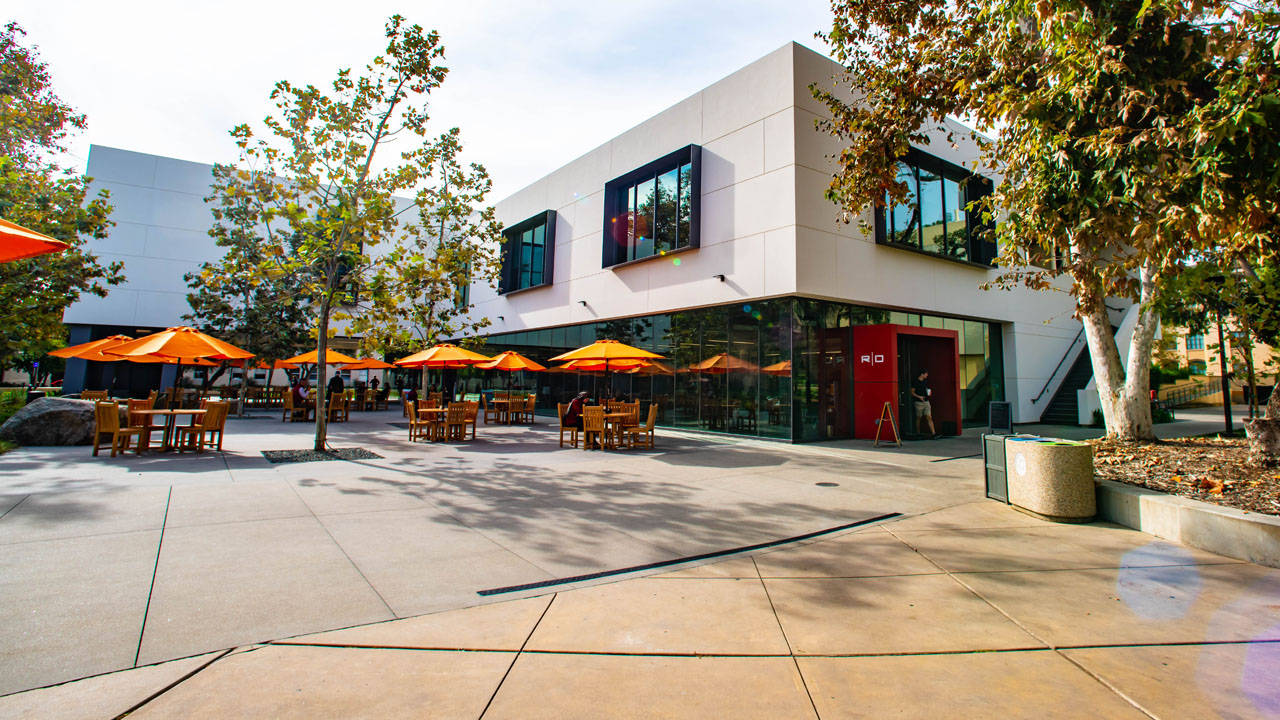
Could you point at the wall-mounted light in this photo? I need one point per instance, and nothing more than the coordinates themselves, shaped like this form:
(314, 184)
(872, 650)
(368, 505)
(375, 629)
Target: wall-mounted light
(583, 303)
(719, 277)
(502, 318)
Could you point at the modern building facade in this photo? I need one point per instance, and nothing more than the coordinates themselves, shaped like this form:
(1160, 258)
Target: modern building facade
(703, 234)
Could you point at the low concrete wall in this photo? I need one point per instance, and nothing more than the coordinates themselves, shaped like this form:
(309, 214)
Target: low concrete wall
(1222, 530)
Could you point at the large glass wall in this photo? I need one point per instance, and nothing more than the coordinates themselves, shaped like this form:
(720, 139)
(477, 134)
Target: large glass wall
(777, 368)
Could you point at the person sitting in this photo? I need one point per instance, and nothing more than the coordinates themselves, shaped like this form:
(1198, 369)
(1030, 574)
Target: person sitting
(573, 413)
(302, 393)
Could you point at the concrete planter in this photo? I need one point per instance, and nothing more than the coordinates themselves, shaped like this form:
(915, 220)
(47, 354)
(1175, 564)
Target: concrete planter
(1051, 478)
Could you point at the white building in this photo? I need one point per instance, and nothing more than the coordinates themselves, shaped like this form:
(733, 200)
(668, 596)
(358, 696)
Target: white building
(740, 253)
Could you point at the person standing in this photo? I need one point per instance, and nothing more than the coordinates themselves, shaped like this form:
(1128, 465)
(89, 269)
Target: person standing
(921, 393)
(335, 385)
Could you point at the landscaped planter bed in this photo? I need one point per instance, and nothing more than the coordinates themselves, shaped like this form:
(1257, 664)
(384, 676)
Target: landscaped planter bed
(1213, 470)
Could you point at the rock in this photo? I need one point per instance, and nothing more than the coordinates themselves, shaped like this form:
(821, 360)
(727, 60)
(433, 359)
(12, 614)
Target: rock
(51, 421)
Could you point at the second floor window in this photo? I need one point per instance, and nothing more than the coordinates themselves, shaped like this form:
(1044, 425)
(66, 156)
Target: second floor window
(1195, 342)
(653, 210)
(528, 253)
(935, 218)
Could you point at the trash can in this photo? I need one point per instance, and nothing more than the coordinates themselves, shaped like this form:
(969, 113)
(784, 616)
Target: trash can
(994, 470)
(1051, 478)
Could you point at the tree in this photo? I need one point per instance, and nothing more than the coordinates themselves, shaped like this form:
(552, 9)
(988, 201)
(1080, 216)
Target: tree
(323, 203)
(421, 294)
(260, 314)
(1133, 135)
(36, 193)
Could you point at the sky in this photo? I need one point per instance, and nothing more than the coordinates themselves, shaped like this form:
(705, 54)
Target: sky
(532, 85)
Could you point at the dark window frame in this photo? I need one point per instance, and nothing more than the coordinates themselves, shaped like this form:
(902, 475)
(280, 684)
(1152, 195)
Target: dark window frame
(980, 246)
(613, 254)
(509, 280)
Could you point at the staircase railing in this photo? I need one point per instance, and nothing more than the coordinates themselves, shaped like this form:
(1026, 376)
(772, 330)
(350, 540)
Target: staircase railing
(1183, 395)
(1058, 367)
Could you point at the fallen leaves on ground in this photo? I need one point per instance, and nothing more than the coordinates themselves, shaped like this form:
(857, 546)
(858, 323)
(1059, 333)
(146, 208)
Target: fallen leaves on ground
(1215, 470)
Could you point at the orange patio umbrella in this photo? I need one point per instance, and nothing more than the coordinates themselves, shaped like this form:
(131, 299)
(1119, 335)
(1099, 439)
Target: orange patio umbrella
(367, 364)
(277, 365)
(599, 365)
(18, 243)
(442, 356)
(331, 357)
(651, 367)
(181, 343)
(510, 361)
(75, 351)
(722, 363)
(781, 369)
(610, 353)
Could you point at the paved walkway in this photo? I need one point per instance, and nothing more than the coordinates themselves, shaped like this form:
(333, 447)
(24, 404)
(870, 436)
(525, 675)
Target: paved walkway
(331, 584)
(975, 610)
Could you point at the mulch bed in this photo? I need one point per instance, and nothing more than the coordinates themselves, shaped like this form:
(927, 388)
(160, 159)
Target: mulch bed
(297, 456)
(1214, 470)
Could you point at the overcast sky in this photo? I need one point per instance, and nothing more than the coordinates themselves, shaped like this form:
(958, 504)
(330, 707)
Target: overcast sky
(532, 84)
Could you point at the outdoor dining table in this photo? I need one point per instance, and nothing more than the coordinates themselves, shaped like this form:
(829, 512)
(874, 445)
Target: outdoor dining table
(616, 421)
(504, 409)
(435, 416)
(171, 421)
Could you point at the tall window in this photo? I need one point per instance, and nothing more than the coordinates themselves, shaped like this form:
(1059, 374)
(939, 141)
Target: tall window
(527, 255)
(1195, 342)
(934, 218)
(653, 210)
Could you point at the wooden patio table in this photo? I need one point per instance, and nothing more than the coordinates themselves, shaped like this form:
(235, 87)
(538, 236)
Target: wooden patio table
(435, 416)
(615, 421)
(171, 421)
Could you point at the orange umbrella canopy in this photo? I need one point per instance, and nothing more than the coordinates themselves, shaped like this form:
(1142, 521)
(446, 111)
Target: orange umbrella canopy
(606, 351)
(444, 355)
(331, 357)
(651, 367)
(93, 346)
(723, 363)
(782, 369)
(17, 242)
(367, 364)
(277, 365)
(181, 343)
(510, 361)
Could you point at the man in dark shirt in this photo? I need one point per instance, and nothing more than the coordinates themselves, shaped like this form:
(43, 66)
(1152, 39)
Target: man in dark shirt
(924, 411)
(335, 385)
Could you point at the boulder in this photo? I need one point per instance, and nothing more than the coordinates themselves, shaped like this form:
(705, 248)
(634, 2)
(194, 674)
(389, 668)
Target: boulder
(51, 421)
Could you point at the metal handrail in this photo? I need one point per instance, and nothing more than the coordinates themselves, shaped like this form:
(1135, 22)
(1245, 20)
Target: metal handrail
(1054, 374)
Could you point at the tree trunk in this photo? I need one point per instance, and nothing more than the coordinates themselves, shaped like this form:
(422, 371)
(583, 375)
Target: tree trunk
(1124, 392)
(1264, 434)
(322, 347)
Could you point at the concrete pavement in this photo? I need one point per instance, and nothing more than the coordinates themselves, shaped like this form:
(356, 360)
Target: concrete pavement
(972, 610)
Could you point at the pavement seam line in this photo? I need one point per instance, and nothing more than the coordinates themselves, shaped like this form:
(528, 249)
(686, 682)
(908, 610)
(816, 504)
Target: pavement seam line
(172, 685)
(975, 593)
(155, 570)
(343, 550)
(15, 506)
(790, 651)
(1104, 683)
(519, 652)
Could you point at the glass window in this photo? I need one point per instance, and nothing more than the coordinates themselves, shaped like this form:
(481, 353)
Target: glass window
(1195, 342)
(652, 210)
(526, 258)
(934, 217)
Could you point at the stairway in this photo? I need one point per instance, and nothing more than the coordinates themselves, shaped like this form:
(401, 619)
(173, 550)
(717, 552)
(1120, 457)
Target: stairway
(1063, 409)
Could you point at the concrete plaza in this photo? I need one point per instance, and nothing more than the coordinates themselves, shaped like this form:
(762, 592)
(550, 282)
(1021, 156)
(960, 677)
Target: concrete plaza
(350, 589)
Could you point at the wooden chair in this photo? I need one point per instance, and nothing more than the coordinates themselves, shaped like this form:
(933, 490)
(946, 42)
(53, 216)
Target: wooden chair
(338, 408)
(527, 411)
(643, 436)
(94, 395)
(492, 413)
(196, 435)
(561, 409)
(142, 421)
(473, 411)
(418, 427)
(292, 413)
(632, 409)
(455, 422)
(380, 398)
(370, 399)
(106, 417)
(593, 426)
(151, 399)
(436, 399)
